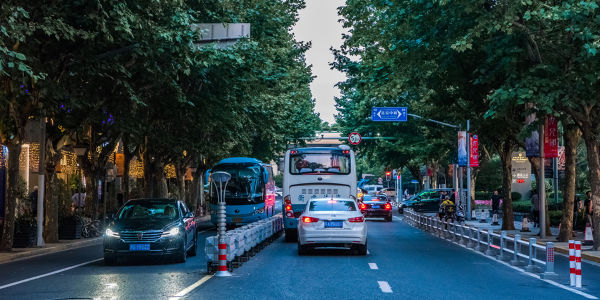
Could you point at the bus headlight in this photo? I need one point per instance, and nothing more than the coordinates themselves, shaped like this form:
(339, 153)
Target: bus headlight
(259, 211)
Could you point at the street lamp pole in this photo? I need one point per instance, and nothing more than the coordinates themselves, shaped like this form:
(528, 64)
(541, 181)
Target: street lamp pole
(468, 214)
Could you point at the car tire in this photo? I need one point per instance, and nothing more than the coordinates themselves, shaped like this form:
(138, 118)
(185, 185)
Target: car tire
(362, 249)
(302, 250)
(388, 219)
(182, 256)
(400, 210)
(110, 260)
(291, 235)
(194, 249)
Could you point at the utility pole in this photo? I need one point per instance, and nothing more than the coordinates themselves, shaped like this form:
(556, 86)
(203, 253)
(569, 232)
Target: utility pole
(41, 183)
(468, 214)
(541, 187)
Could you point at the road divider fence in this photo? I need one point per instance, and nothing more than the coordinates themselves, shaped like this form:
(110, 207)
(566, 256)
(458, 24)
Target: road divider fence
(243, 242)
(529, 255)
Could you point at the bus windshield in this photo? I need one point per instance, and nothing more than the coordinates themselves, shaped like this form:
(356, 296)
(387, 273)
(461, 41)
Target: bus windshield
(320, 163)
(244, 186)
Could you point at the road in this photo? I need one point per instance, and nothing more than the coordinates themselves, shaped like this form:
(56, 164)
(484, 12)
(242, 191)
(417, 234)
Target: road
(403, 262)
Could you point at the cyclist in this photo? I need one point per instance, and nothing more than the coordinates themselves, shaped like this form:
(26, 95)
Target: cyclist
(448, 208)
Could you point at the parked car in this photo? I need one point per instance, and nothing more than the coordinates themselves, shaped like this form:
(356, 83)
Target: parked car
(332, 223)
(376, 206)
(424, 201)
(151, 227)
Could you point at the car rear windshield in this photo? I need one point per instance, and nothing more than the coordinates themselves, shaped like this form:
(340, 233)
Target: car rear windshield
(149, 210)
(332, 205)
(319, 163)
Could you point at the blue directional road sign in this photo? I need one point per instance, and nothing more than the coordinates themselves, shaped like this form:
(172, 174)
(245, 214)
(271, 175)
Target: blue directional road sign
(388, 114)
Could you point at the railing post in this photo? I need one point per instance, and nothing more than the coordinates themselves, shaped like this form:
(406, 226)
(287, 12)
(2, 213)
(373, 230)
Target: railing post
(549, 272)
(490, 251)
(531, 267)
(515, 261)
(502, 255)
(462, 240)
(470, 243)
(478, 247)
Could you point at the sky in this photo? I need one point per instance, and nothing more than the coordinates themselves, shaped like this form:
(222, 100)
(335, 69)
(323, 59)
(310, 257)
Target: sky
(318, 23)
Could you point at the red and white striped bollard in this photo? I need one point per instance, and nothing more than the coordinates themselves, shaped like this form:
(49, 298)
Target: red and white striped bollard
(578, 264)
(572, 262)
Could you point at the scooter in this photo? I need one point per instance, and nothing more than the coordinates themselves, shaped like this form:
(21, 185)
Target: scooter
(460, 214)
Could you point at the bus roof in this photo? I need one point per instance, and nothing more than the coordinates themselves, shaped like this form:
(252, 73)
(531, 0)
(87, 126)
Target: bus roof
(239, 160)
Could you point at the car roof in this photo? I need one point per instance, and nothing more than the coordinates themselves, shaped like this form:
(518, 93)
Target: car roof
(153, 200)
(327, 199)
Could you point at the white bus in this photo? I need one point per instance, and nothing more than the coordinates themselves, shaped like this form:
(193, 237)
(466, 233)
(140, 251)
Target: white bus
(317, 172)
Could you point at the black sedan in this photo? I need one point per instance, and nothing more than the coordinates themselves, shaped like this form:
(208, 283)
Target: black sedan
(151, 227)
(376, 207)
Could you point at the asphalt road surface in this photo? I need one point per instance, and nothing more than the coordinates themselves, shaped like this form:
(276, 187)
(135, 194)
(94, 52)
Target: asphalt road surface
(403, 263)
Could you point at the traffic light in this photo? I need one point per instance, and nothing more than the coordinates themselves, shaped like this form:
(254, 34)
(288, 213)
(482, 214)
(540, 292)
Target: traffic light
(388, 175)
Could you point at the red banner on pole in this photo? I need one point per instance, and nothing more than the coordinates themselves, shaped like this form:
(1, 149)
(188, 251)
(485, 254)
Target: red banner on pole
(551, 137)
(474, 159)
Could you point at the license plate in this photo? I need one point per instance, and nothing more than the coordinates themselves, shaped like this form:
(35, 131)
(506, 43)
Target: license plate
(139, 247)
(236, 220)
(334, 224)
(374, 206)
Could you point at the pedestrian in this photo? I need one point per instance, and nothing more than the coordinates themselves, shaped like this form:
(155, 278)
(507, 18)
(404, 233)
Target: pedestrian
(589, 208)
(78, 200)
(535, 209)
(495, 202)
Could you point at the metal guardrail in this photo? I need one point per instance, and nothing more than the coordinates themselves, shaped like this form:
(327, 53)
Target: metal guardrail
(528, 254)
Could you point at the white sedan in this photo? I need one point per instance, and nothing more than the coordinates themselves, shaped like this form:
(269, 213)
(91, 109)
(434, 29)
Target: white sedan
(332, 223)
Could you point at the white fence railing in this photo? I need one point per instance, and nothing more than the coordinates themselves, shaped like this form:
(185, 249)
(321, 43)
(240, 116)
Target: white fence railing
(243, 242)
(533, 257)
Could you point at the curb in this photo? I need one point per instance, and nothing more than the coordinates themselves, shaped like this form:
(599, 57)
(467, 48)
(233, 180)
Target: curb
(35, 252)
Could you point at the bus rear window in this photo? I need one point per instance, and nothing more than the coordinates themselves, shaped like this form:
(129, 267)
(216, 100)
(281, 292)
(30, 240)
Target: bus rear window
(320, 163)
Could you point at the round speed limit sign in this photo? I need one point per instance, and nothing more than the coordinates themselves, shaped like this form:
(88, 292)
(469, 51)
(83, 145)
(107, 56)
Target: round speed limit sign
(354, 138)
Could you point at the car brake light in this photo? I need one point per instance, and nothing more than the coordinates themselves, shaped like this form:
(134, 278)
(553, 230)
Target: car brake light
(309, 220)
(288, 207)
(289, 214)
(356, 220)
(363, 206)
(388, 206)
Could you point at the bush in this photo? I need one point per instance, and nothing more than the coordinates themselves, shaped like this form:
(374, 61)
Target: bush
(482, 195)
(555, 216)
(515, 196)
(522, 206)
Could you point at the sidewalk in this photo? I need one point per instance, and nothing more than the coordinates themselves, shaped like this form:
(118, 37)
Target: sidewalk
(561, 247)
(22, 253)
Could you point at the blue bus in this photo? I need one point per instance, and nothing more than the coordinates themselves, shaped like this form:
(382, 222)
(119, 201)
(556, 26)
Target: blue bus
(250, 194)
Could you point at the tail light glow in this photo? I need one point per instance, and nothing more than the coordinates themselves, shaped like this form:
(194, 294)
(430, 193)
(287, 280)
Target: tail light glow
(310, 220)
(288, 207)
(388, 206)
(356, 220)
(362, 206)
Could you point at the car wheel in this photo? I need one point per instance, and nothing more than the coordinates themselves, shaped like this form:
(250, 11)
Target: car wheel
(302, 250)
(291, 235)
(110, 260)
(388, 219)
(182, 256)
(400, 210)
(362, 249)
(194, 249)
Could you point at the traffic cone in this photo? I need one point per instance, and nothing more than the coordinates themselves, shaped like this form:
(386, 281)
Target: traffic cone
(525, 225)
(495, 219)
(589, 238)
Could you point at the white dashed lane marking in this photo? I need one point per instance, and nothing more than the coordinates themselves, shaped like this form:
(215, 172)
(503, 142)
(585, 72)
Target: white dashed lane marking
(373, 266)
(385, 287)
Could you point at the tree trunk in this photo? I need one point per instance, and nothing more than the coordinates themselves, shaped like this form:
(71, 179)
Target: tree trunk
(591, 143)
(572, 136)
(180, 178)
(51, 198)
(14, 151)
(126, 182)
(505, 149)
(91, 194)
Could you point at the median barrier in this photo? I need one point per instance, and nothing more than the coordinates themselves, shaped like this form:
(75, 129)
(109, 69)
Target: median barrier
(243, 242)
(532, 257)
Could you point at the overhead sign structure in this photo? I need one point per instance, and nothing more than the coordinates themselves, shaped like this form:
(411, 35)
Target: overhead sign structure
(389, 114)
(354, 138)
